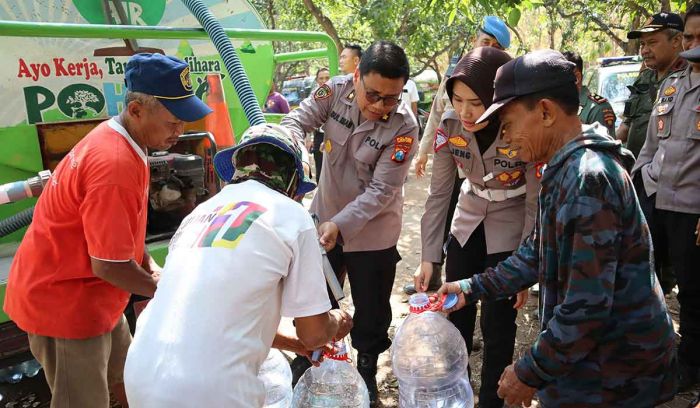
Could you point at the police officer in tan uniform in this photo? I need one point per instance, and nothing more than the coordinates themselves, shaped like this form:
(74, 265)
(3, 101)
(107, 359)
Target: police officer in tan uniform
(490, 218)
(492, 33)
(667, 178)
(371, 136)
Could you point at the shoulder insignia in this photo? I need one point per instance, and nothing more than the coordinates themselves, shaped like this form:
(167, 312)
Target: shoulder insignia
(597, 98)
(608, 117)
(440, 140)
(402, 147)
(670, 90)
(351, 96)
(323, 92)
(458, 141)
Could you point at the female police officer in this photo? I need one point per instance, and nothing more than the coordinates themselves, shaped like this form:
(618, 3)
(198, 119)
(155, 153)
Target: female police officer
(489, 221)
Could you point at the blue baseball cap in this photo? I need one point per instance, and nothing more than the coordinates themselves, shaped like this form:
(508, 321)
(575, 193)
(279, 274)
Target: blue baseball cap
(167, 79)
(496, 28)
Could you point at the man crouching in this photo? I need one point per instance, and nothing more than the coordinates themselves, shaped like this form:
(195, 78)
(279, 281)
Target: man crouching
(237, 263)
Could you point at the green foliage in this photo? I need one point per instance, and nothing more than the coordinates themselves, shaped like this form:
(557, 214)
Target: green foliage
(432, 31)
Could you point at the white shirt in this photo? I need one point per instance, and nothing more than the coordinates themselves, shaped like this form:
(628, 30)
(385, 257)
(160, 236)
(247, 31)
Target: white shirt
(412, 91)
(237, 262)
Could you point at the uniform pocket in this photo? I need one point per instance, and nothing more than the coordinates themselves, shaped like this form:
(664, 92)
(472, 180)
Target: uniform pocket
(661, 115)
(694, 124)
(366, 158)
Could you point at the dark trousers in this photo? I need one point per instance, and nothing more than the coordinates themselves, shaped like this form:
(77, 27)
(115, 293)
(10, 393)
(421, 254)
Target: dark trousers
(673, 237)
(497, 317)
(318, 154)
(371, 275)
(662, 259)
(685, 259)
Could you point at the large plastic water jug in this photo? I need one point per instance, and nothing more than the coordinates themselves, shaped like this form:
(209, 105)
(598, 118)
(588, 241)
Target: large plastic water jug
(277, 378)
(335, 383)
(430, 360)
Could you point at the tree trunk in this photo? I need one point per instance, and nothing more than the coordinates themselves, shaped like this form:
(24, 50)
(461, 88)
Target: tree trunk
(325, 22)
(665, 6)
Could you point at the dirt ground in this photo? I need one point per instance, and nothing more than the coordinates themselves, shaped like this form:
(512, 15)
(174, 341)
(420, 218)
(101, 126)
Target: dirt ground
(34, 393)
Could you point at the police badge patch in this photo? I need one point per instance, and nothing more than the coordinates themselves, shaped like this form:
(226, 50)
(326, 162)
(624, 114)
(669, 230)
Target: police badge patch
(510, 179)
(402, 147)
(440, 140)
(458, 141)
(185, 79)
(324, 91)
(508, 152)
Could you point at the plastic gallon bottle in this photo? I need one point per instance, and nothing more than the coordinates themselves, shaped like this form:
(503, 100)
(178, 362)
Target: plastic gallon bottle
(430, 359)
(277, 378)
(335, 383)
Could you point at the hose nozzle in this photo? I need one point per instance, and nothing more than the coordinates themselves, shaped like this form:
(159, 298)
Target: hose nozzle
(19, 190)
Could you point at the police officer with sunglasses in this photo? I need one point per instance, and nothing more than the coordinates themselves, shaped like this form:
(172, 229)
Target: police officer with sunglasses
(371, 136)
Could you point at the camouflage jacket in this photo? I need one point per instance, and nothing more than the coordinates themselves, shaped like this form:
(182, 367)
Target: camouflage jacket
(606, 337)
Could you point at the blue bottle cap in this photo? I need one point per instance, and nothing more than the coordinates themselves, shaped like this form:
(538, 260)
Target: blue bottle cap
(450, 301)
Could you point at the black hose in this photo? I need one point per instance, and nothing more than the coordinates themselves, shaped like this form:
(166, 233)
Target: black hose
(16, 222)
(232, 63)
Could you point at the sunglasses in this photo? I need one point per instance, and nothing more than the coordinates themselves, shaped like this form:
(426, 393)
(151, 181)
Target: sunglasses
(374, 97)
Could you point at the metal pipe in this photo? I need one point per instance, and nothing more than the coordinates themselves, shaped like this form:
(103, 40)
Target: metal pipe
(300, 55)
(58, 30)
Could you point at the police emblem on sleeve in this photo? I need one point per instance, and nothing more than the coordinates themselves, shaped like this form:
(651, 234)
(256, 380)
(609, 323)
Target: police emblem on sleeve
(324, 91)
(440, 140)
(185, 79)
(402, 147)
(609, 117)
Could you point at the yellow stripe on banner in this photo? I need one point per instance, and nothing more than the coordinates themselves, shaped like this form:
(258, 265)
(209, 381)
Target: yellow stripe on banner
(173, 97)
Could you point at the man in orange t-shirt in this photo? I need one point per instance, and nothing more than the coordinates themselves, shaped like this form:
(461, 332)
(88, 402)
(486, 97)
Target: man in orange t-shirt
(84, 253)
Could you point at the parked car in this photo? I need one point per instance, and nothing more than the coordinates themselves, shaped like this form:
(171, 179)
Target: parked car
(297, 89)
(611, 79)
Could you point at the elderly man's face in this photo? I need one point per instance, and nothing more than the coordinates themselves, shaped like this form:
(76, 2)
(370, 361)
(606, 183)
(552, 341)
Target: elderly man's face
(524, 130)
(658, 50)
(160, 129)
(691, 36)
